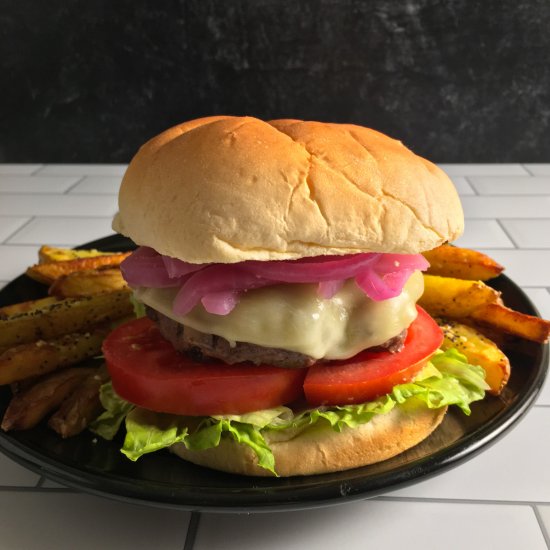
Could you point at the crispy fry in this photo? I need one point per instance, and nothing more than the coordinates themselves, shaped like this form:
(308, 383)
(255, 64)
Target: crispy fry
(456, 298)
(64, 317)
(479, 350)
(86, 283)
(513, 322)
(461, 263)
(26, 307)
(37, 358)
(81, 407)
(29, 407)
(47, 273)
(48, 254)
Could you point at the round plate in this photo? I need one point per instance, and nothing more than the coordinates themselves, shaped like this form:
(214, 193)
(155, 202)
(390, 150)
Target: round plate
(97, 466)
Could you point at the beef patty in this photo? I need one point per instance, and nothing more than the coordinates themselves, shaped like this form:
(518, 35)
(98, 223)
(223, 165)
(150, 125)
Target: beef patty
(201, 346)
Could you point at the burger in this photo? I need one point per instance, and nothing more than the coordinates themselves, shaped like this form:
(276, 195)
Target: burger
(276, 275)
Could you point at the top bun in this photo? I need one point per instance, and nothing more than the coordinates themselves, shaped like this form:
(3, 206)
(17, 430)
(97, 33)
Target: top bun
(229, 189)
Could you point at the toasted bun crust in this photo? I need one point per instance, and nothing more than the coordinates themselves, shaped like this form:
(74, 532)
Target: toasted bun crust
(228, 189)
(320, 449)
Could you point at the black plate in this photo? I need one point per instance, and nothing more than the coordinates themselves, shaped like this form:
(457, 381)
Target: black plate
(161, 479)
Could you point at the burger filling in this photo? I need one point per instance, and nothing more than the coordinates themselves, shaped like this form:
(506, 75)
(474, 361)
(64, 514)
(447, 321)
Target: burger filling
(295, 318)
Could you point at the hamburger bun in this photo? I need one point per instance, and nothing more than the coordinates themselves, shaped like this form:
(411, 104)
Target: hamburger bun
(320, 449)
(229, 189)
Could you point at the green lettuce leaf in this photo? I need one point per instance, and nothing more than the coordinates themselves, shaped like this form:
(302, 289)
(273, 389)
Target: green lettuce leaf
(447, 379)
(107, 424)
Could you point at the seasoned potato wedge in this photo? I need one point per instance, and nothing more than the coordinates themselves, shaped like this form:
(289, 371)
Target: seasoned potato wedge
(28, 408)
(47, 273)
(48, 254)
(64, 317)
(479, 350)
(81, 407)
(456, 298)
(26, 307)
(513, 322)
(37, 358)
(86, 283)
(461, 263)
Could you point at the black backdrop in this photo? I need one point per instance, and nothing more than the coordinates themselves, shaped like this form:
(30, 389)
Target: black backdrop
(456, 80)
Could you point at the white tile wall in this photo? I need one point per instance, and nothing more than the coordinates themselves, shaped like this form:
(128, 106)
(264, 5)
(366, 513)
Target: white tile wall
(102, 185)
(463, 186)
(62, 231)
(538, 169)
(82, 170)
(57, 205)
(61, 520)
(516, 206)
(484, 169)
(529, 233)
(500, 499)
(19, 169)
(480, 234)
(376, 525)
(511, 185)
(36, 184)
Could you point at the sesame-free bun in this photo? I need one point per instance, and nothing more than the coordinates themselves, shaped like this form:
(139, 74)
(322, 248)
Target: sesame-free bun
(228, 189)
(320, 449)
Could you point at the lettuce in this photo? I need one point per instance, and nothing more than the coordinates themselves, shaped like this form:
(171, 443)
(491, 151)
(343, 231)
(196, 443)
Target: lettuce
(448, 379)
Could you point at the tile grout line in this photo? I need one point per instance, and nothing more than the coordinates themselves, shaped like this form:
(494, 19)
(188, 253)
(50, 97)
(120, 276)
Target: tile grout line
(13, 233)
(542, 526)
(37, 170)
(192, 530)
(80, 179)
(527, 170)
(465, 501)
(467, 178)
(507, 233)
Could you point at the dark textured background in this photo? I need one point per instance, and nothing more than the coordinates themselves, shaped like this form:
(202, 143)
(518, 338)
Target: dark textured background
(456, 80)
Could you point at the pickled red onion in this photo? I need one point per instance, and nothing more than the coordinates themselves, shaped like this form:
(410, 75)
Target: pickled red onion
(217, 286)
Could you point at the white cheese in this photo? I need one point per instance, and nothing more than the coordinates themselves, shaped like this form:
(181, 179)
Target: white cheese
(296, 318)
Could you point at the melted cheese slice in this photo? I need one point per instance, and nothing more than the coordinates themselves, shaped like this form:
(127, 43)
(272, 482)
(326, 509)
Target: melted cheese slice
(296, 318)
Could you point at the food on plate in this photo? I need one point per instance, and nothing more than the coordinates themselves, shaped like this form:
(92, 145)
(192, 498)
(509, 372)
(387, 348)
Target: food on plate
(479, 303)
(63, 317)
(49, 271)
(81, 407)
(461, 263)
(88, 282)
(36, 358)
(279, 265)
(277, 284)
(28, 407)
(479, 350)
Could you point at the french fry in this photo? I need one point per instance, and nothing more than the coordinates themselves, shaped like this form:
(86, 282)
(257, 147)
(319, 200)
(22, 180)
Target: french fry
(64, 317)
(86, 283)
(507, 320)
(47, 273)
(28, 408)
(461, 263)
(48, 254)
(456, 298)
(479, 350)
(81, 407)
(26, 307)
(38, 358)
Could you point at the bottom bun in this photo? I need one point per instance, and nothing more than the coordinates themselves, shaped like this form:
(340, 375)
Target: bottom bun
(320, 449)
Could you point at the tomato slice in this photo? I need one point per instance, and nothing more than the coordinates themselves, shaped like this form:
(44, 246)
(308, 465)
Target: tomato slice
(371, 374)
(147, 371)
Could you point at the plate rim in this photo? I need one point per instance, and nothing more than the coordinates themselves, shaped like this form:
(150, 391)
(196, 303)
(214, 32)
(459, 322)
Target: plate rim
(286, 497)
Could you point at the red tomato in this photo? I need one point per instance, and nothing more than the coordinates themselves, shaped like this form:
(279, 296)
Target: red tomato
(369, 374)
(147, 371)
